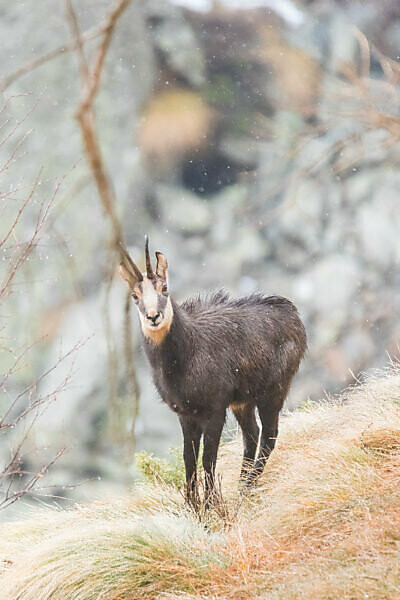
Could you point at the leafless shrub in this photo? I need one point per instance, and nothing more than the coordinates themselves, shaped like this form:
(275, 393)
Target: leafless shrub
(21, 210)
(91, 72)
(367, 101)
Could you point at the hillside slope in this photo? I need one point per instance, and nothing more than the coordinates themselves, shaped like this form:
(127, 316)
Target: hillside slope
(324, 523)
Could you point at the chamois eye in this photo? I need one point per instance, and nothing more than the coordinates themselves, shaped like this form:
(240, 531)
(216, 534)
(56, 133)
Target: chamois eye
(135, 296)
(164, 288)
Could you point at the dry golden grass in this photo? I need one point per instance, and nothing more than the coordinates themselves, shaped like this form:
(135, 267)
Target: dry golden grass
(382, 440)
(323, 524)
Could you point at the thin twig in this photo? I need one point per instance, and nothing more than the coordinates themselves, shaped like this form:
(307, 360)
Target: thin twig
(133, 384)
(71, 14)
(90, 34)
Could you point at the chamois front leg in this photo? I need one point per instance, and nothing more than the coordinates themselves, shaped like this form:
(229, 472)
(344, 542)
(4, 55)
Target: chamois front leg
(212, 435)
(191, 443)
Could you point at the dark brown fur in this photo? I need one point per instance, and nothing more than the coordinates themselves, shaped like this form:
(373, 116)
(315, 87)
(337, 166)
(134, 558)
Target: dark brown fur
(222, 352)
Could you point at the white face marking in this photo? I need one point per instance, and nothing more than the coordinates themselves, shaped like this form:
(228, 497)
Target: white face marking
(149, 297)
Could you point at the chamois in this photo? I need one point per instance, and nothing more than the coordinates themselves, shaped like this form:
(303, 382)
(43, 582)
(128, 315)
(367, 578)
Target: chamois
(208, 354)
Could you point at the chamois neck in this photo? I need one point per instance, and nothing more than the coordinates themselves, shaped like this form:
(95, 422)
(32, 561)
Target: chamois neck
(176, 339)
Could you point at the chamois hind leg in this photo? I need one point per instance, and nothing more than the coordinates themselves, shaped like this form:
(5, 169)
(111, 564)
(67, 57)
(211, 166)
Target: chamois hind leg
(269, 420)
(212, 434)
(191, 443)
(245, 416)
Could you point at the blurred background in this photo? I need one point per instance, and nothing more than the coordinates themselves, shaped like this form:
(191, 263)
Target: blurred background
(257, 143)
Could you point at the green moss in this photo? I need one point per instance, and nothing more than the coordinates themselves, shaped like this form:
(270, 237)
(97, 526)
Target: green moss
(170, 471)
(220, 92)
(243, 122)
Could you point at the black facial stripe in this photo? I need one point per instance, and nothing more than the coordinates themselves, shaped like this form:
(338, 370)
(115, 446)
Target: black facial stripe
(161, 303)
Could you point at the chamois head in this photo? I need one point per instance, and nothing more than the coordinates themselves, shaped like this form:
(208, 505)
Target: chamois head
(150, 293)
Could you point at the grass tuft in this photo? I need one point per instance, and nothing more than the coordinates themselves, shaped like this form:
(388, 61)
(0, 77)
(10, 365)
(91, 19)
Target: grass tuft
(381, 441)
(322, 524)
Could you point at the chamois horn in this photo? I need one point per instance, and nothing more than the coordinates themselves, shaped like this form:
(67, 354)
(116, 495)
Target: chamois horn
(127, 262)
(149, 269)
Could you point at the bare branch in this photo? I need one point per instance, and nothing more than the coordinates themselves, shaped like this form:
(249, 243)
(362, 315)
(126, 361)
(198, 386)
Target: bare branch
(34, 384)
(102, 50)
(71, 14)
(85, 114)
(27, 248)
(91, 76)
(22, 409)
(133, 384)
(90, 34)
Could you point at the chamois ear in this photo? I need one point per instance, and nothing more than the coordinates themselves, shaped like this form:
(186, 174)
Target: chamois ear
(162, 266)
(128, 269)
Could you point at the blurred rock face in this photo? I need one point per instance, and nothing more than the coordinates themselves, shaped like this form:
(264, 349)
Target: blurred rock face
(258, 155)
(299, 121)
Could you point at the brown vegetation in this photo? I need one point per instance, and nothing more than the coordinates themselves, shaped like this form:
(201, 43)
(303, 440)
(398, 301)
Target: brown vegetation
(323, 524)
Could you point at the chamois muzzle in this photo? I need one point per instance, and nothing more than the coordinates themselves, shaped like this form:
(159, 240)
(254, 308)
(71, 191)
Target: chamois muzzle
(155, 318)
